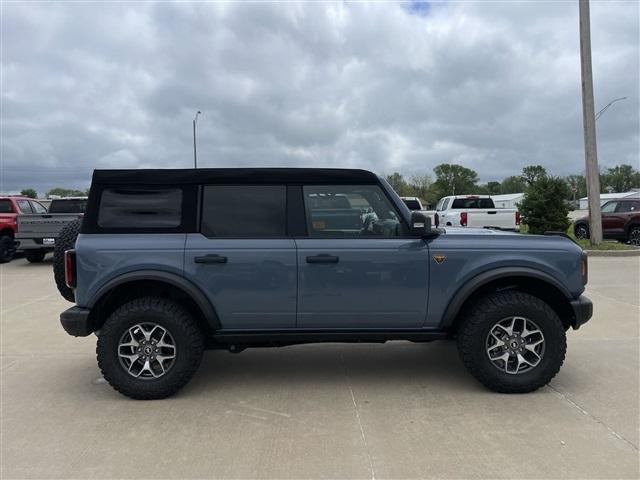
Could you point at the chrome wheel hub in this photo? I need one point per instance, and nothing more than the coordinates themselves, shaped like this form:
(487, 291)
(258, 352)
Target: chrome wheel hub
(515, 345)
(147, 351)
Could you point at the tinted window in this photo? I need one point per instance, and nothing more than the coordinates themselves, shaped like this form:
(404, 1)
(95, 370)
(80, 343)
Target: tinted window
(240, 211)
(140, 208)
(5, 206)
(472, 203)
(412, 204)
(24, 206)
(37, 207)
(609, 207)
(350, 211)
(68, 206)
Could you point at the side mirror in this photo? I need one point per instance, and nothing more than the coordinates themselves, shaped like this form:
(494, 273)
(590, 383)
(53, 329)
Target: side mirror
(420, 224)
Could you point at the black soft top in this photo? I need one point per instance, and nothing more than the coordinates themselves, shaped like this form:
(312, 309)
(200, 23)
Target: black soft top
(234, 176)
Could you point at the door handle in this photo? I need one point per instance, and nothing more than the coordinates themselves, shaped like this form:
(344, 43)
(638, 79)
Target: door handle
(323, 258)
(208, 259)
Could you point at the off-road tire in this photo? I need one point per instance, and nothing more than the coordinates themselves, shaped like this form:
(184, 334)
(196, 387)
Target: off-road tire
(478, 320)
(66, 241)
(6, 249)
(35, 256)
(172, 317)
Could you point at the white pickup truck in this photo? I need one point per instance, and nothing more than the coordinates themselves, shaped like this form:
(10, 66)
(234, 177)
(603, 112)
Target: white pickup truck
(475, 211)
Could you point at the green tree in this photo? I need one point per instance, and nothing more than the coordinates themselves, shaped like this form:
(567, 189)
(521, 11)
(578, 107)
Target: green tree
(494, 188)
(420, 185)
(399, 184)
(579, 182)
(65, 192)
(620, 178)
(29, 192)
(513, 184)
(544, 207)
(533, 173)
(452, 179)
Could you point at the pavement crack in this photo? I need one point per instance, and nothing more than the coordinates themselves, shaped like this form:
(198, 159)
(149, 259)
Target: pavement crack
(593, 417)
(357, 412)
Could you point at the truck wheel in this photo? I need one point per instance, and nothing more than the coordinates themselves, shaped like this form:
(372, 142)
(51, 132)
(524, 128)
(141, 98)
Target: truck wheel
(35, 256)
(634, 236)
(581, 231)
(7, 250)
(149, 348)
(66, 240)
(512, 342)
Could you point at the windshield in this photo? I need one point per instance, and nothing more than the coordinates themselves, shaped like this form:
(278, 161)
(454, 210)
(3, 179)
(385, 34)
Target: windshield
(472, 203)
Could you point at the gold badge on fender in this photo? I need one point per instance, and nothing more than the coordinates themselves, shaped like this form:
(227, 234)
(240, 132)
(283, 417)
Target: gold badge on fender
(439, 258)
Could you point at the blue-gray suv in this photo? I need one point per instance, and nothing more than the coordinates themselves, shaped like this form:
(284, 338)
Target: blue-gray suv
(168, 263)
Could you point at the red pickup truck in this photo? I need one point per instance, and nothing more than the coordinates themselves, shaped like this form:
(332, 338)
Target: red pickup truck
(10, 208)
(620, 221)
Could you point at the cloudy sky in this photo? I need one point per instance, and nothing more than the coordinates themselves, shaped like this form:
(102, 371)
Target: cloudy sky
(385, 86)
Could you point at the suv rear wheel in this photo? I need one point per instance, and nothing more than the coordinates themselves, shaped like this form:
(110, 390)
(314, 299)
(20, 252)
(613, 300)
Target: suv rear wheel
(634, 236)
(512, 342)
(149, 348)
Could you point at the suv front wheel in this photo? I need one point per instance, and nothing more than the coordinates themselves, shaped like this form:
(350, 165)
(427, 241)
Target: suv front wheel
(149, 348)
(512, 342)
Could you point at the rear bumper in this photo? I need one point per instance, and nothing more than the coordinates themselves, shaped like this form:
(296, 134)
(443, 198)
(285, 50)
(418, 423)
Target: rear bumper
(32, 244)
(76, 322)
(582, 311)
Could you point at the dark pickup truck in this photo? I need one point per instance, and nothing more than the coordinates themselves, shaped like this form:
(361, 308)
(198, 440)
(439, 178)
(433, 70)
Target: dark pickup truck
(620, 221)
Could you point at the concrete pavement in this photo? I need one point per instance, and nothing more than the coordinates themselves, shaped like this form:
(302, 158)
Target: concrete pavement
(398, 410)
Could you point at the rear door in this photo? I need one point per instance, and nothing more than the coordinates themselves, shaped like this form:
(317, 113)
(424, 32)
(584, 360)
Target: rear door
(357, 268)
(242, 257)
(609, 221)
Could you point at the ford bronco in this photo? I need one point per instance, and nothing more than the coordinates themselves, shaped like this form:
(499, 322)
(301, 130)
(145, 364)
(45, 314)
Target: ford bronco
(168, 263)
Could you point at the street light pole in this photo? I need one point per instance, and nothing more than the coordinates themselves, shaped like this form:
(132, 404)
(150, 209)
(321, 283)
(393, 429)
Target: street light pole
(589, 123)
(599, 114)
(195, 156)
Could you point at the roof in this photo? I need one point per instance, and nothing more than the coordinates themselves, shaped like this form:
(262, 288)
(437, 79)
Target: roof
(507, 196)
(617, 196)
(233, 176)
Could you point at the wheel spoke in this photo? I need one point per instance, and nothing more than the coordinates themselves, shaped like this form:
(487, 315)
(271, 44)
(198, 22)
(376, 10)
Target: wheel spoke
(515, 345)
(147, 351)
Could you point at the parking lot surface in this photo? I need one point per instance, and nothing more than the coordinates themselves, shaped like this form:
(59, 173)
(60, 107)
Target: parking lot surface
(396, 410)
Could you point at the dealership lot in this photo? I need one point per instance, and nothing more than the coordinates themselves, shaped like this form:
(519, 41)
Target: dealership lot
(397, 410)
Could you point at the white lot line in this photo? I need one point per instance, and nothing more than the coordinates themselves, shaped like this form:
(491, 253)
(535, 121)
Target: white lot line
(593, 417)
(611, 299)
(355, 407)
(30, 302)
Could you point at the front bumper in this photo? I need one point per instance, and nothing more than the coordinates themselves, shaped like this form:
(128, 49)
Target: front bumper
(76, 321)
(582, 311)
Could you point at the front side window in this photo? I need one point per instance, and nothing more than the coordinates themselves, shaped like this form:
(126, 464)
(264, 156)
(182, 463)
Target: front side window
(135, 208)
(350, 211)
(24, 206)
(609, 207)
(244, 211)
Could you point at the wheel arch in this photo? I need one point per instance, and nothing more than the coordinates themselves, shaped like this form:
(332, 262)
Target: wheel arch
(529, 280)
(145, 283)
(7, 232)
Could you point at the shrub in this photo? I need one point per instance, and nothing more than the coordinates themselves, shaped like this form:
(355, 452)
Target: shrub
(543, 208)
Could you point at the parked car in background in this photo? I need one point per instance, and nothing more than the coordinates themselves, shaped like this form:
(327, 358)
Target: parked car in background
(10, 208)
(475, 211)
(37, 232)
(171, 262)
(620, 221)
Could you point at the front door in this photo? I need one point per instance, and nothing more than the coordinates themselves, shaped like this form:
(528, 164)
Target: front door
(242, 258)
(358, 268)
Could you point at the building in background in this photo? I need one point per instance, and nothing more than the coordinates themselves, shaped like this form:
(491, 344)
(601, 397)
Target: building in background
(605, 197)
(508, 200)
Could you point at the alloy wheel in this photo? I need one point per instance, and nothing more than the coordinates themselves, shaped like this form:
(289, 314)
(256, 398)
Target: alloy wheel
(515, 345)
(147, 351)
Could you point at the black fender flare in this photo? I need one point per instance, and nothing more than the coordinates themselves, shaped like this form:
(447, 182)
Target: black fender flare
(173, 279)
(472, 285)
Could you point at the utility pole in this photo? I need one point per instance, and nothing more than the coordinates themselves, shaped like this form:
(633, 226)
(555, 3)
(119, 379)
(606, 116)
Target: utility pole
(195, 156)
(589, 123)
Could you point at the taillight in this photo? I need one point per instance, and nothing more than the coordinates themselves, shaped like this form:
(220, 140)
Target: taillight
(463, 219)
(70, 268)
(517, 217)
(436, 219)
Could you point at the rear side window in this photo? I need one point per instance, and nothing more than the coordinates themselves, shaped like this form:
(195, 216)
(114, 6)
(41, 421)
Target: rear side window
(472, 203)
(244, 211)
(68, 206)
(140, 208)
(5, 206)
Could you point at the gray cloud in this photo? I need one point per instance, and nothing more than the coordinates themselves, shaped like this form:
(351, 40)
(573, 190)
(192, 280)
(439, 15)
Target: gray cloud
(492, 86)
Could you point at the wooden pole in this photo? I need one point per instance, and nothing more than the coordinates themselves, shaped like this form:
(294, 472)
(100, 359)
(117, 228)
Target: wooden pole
(589, 123)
